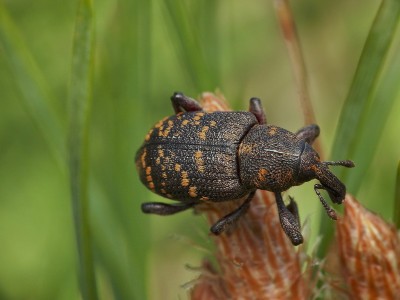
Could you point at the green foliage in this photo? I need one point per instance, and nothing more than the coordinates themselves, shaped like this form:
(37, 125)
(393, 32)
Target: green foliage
(78, 143)
(372, 95)
(66, 94)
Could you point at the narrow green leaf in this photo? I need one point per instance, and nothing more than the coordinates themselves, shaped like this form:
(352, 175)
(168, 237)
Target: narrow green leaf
(359, 99)
(396, 216)
(78, 142)
(189, 47)
(374, 122)
(365, 98)
(32, 86)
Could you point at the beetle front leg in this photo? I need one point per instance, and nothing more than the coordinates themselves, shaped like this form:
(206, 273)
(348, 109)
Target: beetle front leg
(182, 103)
(222, 224)
(308, 133)
(292, 207)
(289, 223)
(164, 209)
(329, 210)
(257, 110)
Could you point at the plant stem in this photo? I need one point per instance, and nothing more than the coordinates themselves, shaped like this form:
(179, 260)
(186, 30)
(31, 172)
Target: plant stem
(79, 115)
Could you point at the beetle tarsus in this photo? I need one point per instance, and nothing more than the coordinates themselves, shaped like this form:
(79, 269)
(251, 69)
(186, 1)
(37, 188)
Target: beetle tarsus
(164, 209)
(182, 103)
(329, 210)
(288, 221)
(227, 221)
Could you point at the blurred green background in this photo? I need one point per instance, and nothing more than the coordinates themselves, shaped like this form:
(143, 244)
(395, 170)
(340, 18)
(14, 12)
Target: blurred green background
(144, 51)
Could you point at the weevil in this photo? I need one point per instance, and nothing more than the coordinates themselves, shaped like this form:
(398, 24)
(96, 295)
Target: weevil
(195, 157)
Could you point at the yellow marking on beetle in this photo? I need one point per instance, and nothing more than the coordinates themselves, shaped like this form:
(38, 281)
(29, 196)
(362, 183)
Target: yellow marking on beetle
(246, 148)
(149, 178)
(158, 160)
(193, 191)
(261, 174)
(143, 158)
(163, 168)
(197, 118)
(164, 175)
(159, 123)
(213, 123)
(204, 198)
(151, 185)
(200, 114)
(163, 183)
(196, 123)
(148, 170)
(272, 131)
(184, 178)
(202, 133)
(184, 123)
(177, 167)
(163, 191)
(160, 152)
(164, 132)
(198, 158)
(147, 138)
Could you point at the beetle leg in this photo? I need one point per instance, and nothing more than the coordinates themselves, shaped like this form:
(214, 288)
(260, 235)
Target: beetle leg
(257, 110)
(222, 224)
(292, 207)
(289, 223)
(329, 210)
(164, 209)
(182, 103)
(308, 133)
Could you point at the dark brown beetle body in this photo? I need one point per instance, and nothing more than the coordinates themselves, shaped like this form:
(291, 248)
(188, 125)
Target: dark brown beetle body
(195, 156)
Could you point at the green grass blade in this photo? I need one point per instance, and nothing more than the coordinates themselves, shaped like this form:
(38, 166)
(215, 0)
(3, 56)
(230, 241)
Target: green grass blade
(188, 45)
(79, 114)
(396, 216)
(369, 67)
(374, 122)
(364, 99)
(32, 86)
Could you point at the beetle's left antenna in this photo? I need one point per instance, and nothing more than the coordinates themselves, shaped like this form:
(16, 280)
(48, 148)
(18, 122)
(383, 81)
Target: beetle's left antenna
(343, 163)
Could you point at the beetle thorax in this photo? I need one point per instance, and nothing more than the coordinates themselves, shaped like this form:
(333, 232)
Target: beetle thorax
(269, 158)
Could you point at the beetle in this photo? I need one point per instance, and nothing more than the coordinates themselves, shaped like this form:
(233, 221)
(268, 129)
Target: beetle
(195, 157)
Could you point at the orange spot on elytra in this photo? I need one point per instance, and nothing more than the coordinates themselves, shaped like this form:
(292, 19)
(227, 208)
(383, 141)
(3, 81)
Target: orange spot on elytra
(198, 158)
(184, 178)
(193, 191)
(177, 167)
(202, 133)
(143, 158)
(147, 138)
(213, 123)
(148, 170)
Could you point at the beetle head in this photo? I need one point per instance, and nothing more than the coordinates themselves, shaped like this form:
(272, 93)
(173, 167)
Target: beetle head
(312, 167)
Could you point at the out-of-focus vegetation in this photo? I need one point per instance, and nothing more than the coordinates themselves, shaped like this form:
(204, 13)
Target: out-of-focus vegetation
(143, 52)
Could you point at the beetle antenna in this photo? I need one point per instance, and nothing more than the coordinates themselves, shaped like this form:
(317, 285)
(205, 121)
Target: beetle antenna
(344, 163)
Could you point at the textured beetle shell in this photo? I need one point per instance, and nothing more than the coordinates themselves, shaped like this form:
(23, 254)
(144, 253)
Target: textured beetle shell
(271, 157)
(193, 156)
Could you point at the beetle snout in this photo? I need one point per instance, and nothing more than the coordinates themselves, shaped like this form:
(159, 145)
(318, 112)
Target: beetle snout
(337, 196)
(335, 188)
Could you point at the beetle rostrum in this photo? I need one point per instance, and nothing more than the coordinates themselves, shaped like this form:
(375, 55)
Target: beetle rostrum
(195, 157)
